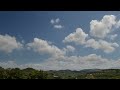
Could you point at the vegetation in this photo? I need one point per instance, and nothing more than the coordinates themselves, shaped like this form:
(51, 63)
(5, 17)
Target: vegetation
(30, 73)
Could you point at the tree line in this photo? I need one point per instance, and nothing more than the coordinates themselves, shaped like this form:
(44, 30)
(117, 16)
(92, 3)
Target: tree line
(30, 73)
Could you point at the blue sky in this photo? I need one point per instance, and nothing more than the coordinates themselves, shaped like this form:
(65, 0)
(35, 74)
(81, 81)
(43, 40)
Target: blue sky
(25, 26)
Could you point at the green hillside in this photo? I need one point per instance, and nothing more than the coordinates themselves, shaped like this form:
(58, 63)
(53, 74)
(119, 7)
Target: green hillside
(30, 73)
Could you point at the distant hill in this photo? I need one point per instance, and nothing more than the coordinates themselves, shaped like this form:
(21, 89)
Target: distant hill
(81, 71)
(30, 73)
(90, 70)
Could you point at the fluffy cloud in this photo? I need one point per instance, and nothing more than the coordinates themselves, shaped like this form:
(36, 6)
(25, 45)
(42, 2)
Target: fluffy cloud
(58, 59)
(56, 23)
(9, 43)
(44, 47)
(77, 37)
(101, 44)
(92, 43)
(69, 48)
(101, 29)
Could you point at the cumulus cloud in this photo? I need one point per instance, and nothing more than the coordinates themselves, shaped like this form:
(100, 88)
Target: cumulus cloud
(43, 47)
(101, 44)
(9, 43)
(102, 28)
(69, 48)
(56, 23)
(58, 59)
(78, 37)
(92, 43)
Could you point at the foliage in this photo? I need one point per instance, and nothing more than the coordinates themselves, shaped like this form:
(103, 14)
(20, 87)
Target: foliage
(30, 73)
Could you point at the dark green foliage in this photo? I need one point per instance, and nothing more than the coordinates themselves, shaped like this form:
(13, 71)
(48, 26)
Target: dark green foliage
(30, 73)
(27, 73)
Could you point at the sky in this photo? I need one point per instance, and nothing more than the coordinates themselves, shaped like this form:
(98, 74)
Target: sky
(59, 40)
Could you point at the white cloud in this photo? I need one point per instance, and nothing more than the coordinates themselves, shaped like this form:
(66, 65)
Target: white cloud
(101, 29)
(69, 48)
(101, 44)
(115, 45)
(118, 24)
(52, 21)
(43, 47)
(57, 20)
(112, 37)
(77, 37)
(9, 64)
(80, 38)
(9, 43)
(92, 43)
(108, 47)
(58, 58)
(91, 61)
(56, 23)
(58, 26)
